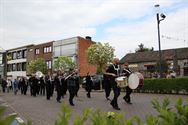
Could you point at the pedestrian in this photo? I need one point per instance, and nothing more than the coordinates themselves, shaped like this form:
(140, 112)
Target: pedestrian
(15, 86)
(4, 85)
(9, 84)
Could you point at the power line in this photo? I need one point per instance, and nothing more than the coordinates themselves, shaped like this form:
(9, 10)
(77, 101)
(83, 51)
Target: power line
(173, 38)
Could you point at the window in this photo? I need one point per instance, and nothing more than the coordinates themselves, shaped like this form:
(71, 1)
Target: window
(57, 51)
(37, 51)
(13, 67)
(49, 64)
(9, 56)
(9, 67)
(19, 54)
(69, 49)
(24, 53)
(14, 55)
(24, 66)
(19, 67)
(1, 58)
(47, 49)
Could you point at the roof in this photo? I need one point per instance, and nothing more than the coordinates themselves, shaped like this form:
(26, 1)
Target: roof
(150, 56)
(20, 47)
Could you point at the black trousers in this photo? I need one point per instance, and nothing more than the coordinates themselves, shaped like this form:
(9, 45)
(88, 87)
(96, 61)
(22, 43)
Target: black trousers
(42, 90)
(116, 91)
(107, 88)
(58, 94)
(48, 91)
(128, 93)
(72, 93)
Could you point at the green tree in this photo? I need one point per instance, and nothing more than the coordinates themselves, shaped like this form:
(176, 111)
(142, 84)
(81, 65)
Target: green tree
(63, 63)
(164, 66)
(37, 65)
(100, 54)
(142, 48)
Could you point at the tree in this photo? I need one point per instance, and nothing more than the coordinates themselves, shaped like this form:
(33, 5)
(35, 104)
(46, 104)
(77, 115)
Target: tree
(63, 63)
(164, 66)
(37, 65)
(143, 49)
(100, 54)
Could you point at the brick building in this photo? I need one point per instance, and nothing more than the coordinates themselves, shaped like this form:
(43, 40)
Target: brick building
(75, 48)
(146, 61)
(44, 50)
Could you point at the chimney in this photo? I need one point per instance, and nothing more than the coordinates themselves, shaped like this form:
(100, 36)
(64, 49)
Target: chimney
(88, 38)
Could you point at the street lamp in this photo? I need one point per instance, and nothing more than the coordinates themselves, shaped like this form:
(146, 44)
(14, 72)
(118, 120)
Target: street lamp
(158, 22)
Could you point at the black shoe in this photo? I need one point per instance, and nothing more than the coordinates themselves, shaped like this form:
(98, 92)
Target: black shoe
(117, 108)
(107, 98)
(59, 101)
(129, 103)
(71, 103)
(125, 99)
(112, 104)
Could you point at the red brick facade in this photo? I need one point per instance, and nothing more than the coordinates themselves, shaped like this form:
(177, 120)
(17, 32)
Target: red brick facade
(84, 66)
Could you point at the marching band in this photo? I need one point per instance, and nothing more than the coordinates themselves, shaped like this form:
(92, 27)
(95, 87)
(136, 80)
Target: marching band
(114, 78)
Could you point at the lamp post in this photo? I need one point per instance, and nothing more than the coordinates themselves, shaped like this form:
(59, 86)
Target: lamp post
(158, 22)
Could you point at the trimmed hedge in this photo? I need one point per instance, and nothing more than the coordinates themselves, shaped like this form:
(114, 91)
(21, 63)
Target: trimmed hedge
(165, 86)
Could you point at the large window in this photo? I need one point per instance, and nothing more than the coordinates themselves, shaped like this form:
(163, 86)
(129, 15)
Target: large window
(24, 66)
(13, 67)
(68, 49)
(24, 53)
(37, 51)
(57, 51)
(19, 67)
(9, 67)
(49, 64)
(14, 55)
(1, 58)
(19, 54)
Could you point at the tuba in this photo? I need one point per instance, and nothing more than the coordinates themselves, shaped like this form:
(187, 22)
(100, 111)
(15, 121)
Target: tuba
(39, 74)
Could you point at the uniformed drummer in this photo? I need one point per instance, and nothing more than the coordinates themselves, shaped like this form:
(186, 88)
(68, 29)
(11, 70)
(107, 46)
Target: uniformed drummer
(113, 71)
(126, 72)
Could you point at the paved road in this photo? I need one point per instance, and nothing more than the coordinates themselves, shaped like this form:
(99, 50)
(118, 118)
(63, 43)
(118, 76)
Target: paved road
(45, 112)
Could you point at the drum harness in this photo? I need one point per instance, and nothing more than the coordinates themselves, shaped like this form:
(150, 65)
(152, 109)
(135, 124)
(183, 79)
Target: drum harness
(116, 69)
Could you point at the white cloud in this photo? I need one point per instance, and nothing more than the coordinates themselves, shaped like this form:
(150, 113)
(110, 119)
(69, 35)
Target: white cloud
(34, 21)
(126, 38)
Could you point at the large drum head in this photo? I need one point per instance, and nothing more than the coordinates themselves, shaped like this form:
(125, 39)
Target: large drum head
(133, 81)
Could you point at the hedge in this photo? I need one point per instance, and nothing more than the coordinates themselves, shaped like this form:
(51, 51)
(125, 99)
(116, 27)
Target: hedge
(165, 86)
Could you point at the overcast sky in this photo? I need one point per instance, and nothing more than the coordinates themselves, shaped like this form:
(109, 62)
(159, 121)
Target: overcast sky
(123, 23)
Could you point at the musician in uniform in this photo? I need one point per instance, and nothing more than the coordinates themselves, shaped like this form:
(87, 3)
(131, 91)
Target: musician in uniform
(88, 85)
(126, 72)
(58, 88)
(48, 87)
(113, 72)
(71, 84)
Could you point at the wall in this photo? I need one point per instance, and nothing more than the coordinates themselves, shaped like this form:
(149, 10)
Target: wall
(84, 66)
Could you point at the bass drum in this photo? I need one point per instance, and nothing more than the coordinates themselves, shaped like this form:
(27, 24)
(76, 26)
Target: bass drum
(135, 79)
